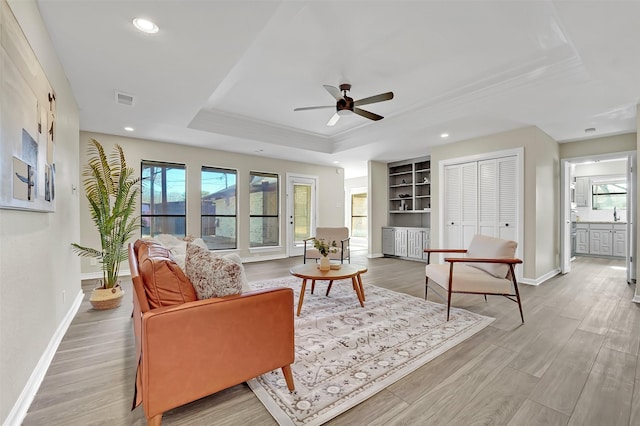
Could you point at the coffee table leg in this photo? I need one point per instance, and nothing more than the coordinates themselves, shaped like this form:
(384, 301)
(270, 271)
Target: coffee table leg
(361, 286)
(329, 287)
(356, 287)
(304, 286)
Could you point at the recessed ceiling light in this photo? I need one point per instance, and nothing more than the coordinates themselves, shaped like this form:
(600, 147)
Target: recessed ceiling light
(145, 26)
(590, 130)
(129, 129)
(444, 135)
(336, 162)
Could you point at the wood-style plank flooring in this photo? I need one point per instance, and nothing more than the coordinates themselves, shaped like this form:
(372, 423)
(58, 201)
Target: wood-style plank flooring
(574, 361)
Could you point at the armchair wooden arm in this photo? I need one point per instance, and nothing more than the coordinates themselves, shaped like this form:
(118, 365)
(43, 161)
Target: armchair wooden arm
(511, 261)
(429, 251)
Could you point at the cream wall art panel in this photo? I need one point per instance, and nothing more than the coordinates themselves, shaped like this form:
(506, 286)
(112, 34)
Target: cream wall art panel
(27, 123)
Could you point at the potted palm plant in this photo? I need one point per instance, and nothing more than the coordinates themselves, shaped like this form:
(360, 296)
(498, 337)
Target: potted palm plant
(112, 191)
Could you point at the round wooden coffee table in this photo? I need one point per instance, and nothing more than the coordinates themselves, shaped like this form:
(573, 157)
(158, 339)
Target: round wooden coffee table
(311, 271)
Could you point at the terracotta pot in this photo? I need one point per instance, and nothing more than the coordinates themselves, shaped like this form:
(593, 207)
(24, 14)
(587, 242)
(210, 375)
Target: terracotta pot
(106, 298)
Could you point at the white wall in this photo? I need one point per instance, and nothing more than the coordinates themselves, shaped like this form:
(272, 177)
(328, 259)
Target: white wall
(330, 187)
(541, 192)
(36, 261)
(378, 205)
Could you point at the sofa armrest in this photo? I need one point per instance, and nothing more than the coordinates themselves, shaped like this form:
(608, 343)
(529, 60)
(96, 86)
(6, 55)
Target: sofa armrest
(198, 348)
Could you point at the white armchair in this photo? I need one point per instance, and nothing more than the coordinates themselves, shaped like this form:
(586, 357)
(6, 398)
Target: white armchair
(487, 268)
(340, 235)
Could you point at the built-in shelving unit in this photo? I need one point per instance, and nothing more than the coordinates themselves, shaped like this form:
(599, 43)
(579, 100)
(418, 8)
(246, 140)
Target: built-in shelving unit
(410, 186)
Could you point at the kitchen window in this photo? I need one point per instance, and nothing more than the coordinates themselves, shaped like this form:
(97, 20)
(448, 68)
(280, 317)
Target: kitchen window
(609, 194)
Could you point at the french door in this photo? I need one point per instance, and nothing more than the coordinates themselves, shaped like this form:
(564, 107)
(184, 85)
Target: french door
(301, 211)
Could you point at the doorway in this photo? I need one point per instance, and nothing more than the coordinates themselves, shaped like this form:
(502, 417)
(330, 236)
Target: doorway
(357, 218)
(301, 211)
(599, 190)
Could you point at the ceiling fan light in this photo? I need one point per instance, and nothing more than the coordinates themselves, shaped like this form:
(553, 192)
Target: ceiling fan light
(344, 112)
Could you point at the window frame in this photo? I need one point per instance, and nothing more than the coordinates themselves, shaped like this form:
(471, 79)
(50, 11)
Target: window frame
(154, 163)
(595, 195)
(225, 170)
(253, 173)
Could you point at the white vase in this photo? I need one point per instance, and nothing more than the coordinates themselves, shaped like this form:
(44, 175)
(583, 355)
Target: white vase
(325, 265)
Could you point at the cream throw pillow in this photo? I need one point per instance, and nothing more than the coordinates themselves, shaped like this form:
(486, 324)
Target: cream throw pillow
(211, 275)
(484, 247)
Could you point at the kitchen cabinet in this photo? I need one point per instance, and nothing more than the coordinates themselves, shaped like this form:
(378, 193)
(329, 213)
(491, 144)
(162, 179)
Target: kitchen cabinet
(405, 242)
(601, 239)
(619, 243)
(600, 236)
(582, 238)
(582, 191)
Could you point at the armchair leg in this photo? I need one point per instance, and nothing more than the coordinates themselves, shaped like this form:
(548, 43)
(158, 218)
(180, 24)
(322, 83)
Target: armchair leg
(448, 304)
(519, 304)
(426, 287)
(313, 285)
(288, 377)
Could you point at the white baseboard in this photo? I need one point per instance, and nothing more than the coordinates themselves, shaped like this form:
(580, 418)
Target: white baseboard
(98, 275)
(262, 258)
(541, 279)
(374, 255)
(20, 408)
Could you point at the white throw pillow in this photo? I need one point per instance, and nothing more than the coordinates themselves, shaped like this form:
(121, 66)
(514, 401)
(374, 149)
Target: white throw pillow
(234, 257)
(485, 247)
(211, 275)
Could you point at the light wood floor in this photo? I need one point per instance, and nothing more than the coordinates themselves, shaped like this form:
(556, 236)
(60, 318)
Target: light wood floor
(574, 361)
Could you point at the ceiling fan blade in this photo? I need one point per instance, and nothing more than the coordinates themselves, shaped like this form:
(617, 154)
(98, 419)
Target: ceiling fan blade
(372, 99)
(334, 91)
(314, 107)
(333, 120)
(367, 114)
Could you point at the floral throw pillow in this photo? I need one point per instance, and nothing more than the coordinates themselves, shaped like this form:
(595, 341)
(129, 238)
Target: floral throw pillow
(211, 275)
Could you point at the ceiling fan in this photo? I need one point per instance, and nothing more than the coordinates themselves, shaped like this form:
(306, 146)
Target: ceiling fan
(346, 105)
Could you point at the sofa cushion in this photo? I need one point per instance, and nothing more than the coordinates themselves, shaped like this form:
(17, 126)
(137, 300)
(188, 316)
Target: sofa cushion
(165, 283)
(211, 275)
(483, 246)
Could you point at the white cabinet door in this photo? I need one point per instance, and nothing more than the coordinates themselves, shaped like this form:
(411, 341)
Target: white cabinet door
(583, 192)
(388, 241)
(582, 240)
(619, 243)
(600, 237)
(401, 242)
(414, 243)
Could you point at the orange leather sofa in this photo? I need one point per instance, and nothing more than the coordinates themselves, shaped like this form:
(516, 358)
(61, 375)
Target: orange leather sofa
(189, 348)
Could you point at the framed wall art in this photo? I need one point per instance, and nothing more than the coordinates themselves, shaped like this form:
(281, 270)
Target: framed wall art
(27, 123)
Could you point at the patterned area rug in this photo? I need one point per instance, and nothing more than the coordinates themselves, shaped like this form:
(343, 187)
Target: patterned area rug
(346, 353)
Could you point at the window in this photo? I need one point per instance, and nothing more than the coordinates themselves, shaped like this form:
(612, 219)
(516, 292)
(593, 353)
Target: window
(359, 215)
(264, 229)
(218, 208)
(610, 194)
(164, 199)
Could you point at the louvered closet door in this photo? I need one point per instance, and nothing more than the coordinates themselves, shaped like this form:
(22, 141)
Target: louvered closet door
(497, 185)
(507, 198)
(460, 204)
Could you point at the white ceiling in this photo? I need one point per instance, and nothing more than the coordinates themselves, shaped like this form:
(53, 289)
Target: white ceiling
(228, 74)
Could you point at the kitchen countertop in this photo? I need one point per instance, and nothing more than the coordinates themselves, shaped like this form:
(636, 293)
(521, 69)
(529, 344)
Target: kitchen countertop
(619, 222)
